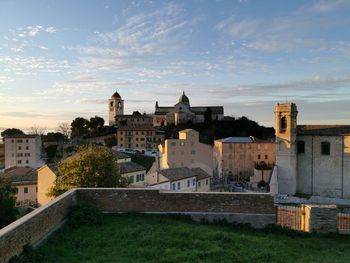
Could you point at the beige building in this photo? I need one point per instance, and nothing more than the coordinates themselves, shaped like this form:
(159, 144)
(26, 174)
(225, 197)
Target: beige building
(183, 112)
(186, 151)
(46, 180)
(238, 156)
(139, 138)
(311, 159)
(23, 150)
(25, 180)
(180, 179)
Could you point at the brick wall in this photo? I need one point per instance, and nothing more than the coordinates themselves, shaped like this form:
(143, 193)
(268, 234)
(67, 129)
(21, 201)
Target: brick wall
(148, 200)
(34, 226)
(257, 209)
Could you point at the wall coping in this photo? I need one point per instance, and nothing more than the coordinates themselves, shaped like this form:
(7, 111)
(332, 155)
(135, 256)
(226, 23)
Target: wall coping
(34, 213)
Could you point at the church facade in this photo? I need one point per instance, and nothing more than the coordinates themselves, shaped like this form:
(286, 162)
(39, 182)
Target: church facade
(183, 112)
(311, 159)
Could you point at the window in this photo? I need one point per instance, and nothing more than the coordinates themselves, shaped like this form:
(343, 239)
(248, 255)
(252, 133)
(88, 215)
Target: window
(19, 147)
(19, 161)
(131, 179)
(25, 190)
(207, 181)
(174, 186)
(27, 147)
(36, 189)
(26, 140)
(19, 141)
(194, 182)
(283, 125)
(266, 156)
(27, 161)
(188, 183)
(259, 156)
(178, 185)
(199, 184)
(139, 177)
(325, 148)
(301, 147)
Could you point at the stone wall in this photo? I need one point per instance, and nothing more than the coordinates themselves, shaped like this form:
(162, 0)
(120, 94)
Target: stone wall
(151, 200)
(257, 209)
(35, 226)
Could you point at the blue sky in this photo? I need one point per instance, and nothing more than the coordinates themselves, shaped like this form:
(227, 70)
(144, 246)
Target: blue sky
(63, 59)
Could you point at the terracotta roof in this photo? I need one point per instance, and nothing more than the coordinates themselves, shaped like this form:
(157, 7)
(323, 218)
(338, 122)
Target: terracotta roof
(323, 129)
(175, 174)
(20, 175)
(129, 167)
(201, 174)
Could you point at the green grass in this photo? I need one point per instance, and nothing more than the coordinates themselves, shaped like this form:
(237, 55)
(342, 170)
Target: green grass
(155, 238)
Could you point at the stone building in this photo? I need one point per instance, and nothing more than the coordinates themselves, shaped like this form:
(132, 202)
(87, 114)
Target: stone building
(311, 159)
(186, 151)
(183, 112)
(117, 116)
(23, 150)
(141, 138)
(238, 156)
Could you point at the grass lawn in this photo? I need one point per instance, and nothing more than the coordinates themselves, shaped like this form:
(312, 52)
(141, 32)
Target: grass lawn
(156, 238)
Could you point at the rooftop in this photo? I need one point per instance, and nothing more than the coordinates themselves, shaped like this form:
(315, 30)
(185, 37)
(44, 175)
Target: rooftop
(129, 167)
(237, 140)
(19, 175)
(330, 130)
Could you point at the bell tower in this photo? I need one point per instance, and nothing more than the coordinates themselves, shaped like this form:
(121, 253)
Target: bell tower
(286, 137)
(115, 108)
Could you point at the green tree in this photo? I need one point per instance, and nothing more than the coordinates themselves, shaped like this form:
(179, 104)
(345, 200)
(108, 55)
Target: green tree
(93, 166)
(79, 127)
(96, 124)
(12, 132)
(7, 202)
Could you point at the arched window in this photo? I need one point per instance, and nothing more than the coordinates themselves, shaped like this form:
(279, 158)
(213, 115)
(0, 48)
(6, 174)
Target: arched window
(325, 148)
(301, 147)
(283, 124)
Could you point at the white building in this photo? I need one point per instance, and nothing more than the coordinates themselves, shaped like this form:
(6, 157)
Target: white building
(23, 150)
(311, 159)
(180, 179)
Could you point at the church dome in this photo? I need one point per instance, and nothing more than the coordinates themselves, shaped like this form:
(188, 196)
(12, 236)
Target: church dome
(116, 95)
(184, 99)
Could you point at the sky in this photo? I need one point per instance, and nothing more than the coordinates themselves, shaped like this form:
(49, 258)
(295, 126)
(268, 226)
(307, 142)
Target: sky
(64, 59)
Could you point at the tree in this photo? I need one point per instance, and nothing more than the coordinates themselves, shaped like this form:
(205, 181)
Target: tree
(54, 137)
(64, 128)
(208, 116)
(7, 202)
(37, 130)
(93, 166)
(79, 127)
(12, 132)
(96, 124)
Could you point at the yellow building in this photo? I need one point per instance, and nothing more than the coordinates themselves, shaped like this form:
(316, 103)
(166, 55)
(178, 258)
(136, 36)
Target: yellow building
(46, 180)
(186, 151)
(25, 180)
(238, 156)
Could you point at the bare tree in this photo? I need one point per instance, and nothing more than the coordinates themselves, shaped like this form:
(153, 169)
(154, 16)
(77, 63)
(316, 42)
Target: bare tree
(38, 130)
(64, 128)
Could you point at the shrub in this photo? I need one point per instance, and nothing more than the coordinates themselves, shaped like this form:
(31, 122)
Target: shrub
(262, 183)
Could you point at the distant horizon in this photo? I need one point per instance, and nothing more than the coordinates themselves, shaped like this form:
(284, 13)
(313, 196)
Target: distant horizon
(62, 59)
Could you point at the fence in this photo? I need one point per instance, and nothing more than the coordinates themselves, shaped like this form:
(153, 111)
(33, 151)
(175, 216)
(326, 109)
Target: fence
(343, 222)
(289, 217)
(294, 217)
